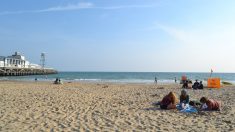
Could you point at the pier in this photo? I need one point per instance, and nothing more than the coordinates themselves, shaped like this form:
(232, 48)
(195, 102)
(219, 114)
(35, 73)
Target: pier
(7, 71)
(17, 65)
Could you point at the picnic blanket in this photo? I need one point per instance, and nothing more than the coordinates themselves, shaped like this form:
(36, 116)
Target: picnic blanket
(187, 109)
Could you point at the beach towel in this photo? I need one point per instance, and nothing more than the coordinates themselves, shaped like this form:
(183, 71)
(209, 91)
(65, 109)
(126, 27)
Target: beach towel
(187, 109)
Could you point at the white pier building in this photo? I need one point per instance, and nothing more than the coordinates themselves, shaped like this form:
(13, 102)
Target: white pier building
(17, 61)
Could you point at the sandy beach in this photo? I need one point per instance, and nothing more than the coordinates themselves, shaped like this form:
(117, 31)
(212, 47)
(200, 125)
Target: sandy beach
(43, 106)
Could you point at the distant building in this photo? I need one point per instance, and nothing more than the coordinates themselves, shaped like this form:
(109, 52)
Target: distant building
(2, 61)
(17, 61)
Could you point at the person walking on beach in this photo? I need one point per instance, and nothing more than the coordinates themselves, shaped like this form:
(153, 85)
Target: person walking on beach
(156, 80)
(175, 80)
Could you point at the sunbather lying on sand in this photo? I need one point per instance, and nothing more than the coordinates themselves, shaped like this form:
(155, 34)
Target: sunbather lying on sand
(210, 104)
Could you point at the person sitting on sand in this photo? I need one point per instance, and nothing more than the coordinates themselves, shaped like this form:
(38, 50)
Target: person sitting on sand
(169, 101)
(210, 104)
(58, 81)
(184, 98)
(195, 85)
(185, 84)
(200, 86)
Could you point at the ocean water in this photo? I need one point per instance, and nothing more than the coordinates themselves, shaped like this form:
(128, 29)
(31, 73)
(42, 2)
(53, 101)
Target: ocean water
(124, 77)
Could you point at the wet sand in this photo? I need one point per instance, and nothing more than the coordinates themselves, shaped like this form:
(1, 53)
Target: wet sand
(42, 106)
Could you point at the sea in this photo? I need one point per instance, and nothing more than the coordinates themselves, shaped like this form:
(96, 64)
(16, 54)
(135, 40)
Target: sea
(123, 77)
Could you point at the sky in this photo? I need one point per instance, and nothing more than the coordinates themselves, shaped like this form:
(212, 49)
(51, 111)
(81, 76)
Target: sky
(122, 35)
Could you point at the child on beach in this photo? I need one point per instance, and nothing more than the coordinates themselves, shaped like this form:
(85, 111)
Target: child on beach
(169, 101)
(184, 99)
(210, 104)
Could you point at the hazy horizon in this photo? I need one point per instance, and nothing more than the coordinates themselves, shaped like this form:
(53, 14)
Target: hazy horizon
(122, 36)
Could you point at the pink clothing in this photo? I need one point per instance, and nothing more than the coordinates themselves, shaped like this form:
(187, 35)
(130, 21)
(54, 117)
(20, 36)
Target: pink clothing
(213, 104)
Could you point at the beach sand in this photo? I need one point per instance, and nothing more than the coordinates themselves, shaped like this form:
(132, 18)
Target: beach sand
(43, 106)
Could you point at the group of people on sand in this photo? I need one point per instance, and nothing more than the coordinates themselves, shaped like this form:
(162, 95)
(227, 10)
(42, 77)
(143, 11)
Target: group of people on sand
(58, 81)
(196, 85)
(170, 101)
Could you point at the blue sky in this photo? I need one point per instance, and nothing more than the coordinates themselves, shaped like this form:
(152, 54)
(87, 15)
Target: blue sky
(122, 35)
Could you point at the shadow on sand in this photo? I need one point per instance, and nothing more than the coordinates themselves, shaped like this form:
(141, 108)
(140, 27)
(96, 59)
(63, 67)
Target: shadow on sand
(155, 107)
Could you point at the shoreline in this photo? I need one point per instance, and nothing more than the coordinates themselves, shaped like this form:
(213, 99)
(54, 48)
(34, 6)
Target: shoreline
(86, 82)
(124, 77)
(110, 82)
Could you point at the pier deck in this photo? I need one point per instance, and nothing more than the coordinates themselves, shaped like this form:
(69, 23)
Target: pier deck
(9, 71)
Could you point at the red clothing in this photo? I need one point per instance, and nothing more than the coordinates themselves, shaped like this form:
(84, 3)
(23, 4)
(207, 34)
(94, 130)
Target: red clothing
(166, 101)
(213, 104)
